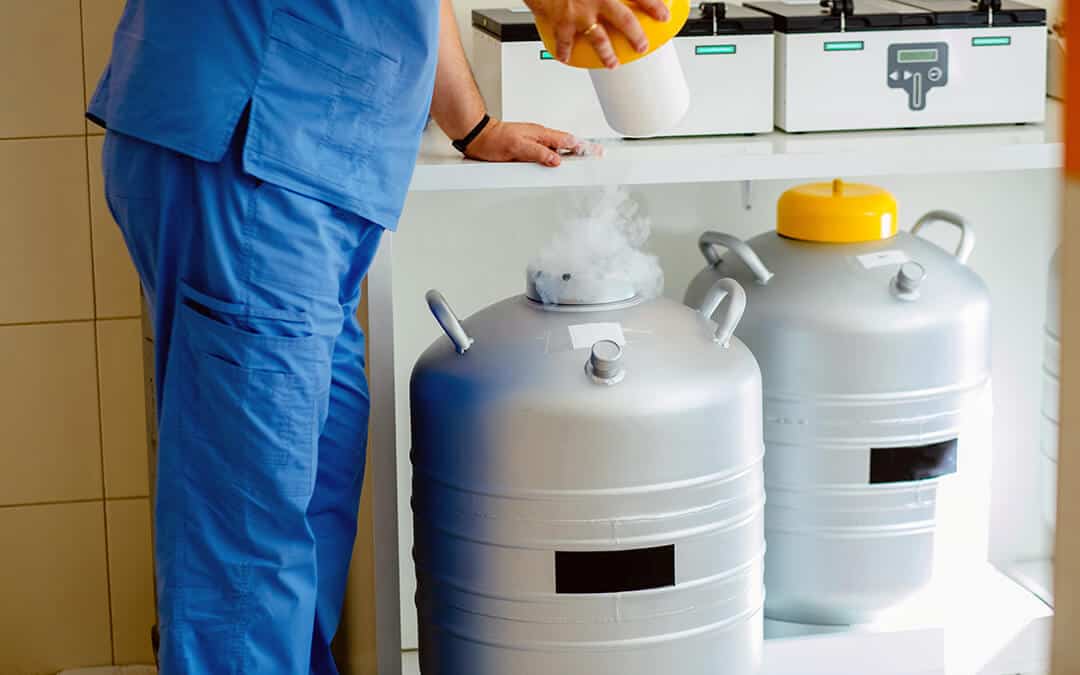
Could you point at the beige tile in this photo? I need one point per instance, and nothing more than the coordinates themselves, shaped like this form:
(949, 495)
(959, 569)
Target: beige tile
(99, 19)
(123, 408)
(49, 415)
(115, 283)
(44, 230)
(54, 587)
(131, 569)
(113, 670)
(41, 79)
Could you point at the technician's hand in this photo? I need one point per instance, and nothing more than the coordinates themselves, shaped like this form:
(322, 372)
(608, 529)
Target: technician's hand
(593, 19)
(516, 142)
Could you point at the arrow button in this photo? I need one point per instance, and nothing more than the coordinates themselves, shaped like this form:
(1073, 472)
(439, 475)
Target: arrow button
(894, 75)
(907, 74)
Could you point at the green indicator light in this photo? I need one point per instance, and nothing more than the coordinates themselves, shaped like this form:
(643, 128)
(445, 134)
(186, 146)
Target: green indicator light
(999, 41)
(852, 46)
(545, 55)
(708, 50)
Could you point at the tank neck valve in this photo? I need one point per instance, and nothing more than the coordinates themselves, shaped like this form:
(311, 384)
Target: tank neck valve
(908, 280)
(605, 363)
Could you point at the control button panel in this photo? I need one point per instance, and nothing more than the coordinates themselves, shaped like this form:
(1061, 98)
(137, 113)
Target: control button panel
(917, 68)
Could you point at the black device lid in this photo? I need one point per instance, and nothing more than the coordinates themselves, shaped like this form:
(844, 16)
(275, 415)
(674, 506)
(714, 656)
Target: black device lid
(955, 13)
(867, 15)
(709, 18)
(508, 25)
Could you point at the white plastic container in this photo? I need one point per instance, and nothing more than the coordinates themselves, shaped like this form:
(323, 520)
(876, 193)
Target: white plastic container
(645, 97)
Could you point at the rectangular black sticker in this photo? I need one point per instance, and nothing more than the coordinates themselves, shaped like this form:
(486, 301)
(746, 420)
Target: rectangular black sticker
(919, 462)
(614, 571)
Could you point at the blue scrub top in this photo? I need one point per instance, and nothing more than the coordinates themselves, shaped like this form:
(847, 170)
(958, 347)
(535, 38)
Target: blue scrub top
(339, 90)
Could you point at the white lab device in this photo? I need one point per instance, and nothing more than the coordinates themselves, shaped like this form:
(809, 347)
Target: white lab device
(880, 64)
(726, 52)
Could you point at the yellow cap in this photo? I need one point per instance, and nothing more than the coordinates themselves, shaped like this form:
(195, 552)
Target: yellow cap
(658, 32)
(836, 212)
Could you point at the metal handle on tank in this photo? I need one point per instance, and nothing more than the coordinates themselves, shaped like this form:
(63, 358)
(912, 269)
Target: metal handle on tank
(710, 241)
(736, 296)
(967, 233)
(451, 325)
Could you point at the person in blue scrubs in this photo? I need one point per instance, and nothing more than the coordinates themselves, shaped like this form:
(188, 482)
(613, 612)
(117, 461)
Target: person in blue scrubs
(256, 151)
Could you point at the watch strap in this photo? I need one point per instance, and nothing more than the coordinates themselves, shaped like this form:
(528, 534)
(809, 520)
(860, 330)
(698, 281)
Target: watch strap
(461, 145)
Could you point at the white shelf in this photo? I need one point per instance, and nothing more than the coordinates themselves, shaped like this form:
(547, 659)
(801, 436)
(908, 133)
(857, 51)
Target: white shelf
(984, 625)
(765, 157)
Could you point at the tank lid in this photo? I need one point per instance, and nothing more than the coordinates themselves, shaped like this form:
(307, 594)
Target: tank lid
(837, 213)
(556, 287)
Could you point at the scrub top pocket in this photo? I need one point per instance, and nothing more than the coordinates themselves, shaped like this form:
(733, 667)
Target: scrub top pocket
(320, 104)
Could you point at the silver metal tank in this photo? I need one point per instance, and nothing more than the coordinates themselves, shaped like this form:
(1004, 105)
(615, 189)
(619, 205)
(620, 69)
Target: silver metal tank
(1048, 460)
(874, 347)
(588, 493)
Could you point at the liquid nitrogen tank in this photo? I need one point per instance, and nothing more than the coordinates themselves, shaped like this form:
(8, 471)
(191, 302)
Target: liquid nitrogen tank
(588, 492)
(874, 347)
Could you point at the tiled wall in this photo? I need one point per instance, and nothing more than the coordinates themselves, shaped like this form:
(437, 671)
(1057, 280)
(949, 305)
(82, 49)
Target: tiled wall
(76, 584)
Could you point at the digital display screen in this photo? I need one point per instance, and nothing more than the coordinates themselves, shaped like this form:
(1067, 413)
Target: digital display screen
(917, 55)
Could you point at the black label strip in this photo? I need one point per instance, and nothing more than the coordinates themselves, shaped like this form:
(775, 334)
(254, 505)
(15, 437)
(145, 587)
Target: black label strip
(614, 571)
(918, 462)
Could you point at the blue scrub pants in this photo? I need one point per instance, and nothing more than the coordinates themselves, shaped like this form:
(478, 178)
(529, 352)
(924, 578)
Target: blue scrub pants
(262, 405)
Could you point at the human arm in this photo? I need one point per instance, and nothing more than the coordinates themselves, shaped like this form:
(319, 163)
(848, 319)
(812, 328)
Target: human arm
(457, 107)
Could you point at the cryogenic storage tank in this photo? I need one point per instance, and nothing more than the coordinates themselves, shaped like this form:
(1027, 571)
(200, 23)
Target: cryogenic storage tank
(588, 493)
(874, 347)
(1048, 460)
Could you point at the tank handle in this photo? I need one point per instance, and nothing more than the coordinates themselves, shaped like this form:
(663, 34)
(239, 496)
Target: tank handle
(967, 233)
(736, 296)
(710, 241)
(449, 322)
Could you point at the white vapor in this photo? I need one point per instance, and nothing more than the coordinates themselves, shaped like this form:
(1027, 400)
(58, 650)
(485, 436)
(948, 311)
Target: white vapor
(600, 239)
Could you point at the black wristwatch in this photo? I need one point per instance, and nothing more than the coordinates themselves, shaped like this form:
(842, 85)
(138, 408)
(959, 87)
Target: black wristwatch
(462, 144)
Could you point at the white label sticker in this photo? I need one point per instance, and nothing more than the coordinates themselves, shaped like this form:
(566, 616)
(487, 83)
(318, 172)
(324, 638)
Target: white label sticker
(585, 335)
(883, 258)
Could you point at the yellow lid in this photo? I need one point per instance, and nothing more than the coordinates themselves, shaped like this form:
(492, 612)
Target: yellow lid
(836, 212)
(658, 32)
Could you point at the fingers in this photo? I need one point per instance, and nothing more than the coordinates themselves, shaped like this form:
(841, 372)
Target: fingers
(601, 43)
(538, 153)
(654, 8)
(555, 139)
(565, 32)
(610, 13)
(622, 18)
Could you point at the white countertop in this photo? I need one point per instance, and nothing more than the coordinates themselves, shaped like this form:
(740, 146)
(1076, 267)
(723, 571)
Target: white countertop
(771, 156)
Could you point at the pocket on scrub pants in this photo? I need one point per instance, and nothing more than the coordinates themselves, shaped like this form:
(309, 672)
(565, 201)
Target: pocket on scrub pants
(254, 393)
